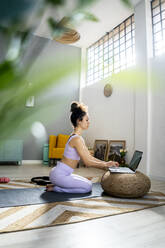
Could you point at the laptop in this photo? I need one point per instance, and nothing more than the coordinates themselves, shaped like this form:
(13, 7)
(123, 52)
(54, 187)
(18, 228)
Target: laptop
(137, 156)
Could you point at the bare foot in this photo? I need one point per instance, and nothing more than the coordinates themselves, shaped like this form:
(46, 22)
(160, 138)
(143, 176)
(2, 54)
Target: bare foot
(49, 187)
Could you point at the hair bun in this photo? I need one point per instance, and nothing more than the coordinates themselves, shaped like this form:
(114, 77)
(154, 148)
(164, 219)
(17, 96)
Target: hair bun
(74, 106)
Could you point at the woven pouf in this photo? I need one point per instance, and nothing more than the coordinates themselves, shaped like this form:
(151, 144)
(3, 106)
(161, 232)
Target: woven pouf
(125, 185)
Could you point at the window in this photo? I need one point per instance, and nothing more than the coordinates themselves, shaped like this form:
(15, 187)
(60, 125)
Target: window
(158, 24)
(112, 53)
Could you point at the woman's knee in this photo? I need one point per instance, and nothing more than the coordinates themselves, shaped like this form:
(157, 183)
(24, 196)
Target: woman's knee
(87, 187)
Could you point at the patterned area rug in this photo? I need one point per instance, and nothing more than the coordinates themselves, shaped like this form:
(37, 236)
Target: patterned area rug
(18, 184)
(21, 184)
(45, 215)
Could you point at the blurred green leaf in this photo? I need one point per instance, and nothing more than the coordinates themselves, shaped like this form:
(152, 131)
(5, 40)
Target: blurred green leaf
(57, 29)
(83, 15)
(55, 2)
(127, 3)
(7, 74)
(12, 107)
(17, 24)
(85, 3)
(17, 9)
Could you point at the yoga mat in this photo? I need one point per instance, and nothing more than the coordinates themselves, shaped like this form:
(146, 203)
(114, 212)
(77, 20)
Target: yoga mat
(21, 197)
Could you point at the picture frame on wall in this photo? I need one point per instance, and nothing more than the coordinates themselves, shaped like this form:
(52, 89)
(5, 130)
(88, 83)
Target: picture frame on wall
(100, 149)
(113, 151)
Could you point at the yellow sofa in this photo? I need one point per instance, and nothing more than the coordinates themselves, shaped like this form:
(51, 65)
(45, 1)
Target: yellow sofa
(57, 145)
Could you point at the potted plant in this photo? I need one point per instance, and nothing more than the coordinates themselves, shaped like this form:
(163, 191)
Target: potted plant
(122, 154)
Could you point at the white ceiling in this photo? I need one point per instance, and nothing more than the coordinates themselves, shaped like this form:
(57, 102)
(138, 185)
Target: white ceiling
(109, 12)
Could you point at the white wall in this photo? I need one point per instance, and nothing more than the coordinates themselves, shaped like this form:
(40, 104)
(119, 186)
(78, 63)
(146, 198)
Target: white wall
(136, 116)
(149, 107)
(157, 151)
(111, 117)
(142, 41)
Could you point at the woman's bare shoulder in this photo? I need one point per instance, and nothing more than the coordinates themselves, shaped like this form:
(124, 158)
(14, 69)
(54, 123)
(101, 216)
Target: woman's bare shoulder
(77, 137)
(77, 140)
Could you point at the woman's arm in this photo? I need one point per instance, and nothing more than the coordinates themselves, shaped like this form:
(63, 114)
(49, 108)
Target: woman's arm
(88, 159)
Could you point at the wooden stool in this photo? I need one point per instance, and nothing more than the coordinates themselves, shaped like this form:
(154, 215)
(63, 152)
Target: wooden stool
(125, 185)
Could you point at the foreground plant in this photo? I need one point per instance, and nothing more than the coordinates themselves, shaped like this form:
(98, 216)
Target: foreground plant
(18, 20)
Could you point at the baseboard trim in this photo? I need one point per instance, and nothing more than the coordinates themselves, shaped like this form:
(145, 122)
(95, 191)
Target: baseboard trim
(157, 178)
(32, 161)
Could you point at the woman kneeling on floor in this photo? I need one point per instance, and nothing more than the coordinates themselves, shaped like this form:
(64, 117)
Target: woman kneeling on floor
(61, 175)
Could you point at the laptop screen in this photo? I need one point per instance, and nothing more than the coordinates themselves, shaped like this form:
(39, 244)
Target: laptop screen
(137, 156)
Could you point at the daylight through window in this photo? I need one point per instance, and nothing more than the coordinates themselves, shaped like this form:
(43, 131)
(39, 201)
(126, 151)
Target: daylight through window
(112, 53)
(158, 24)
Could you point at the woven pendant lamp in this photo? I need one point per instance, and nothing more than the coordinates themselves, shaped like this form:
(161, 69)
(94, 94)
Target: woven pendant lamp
(70, 35)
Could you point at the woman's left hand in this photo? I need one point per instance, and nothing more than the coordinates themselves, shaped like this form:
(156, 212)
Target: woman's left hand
(112, 164)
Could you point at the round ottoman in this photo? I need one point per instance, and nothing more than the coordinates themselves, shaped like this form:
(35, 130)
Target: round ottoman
(125, 185)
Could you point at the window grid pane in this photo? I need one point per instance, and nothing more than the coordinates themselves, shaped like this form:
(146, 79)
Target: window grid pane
(158, 19)
(114, 52)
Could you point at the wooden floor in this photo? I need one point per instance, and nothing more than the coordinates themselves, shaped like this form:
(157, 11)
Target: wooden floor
(144, 228)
